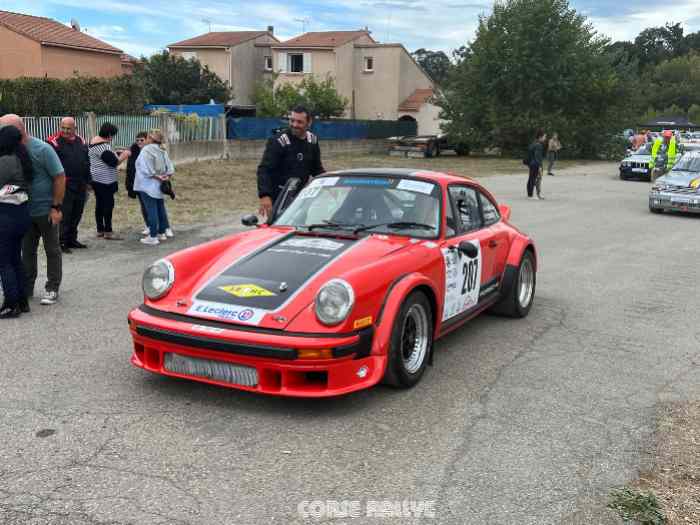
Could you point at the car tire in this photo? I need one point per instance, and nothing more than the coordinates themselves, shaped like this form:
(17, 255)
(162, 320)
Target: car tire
(411, 342)
(518, 301)
(437, 150)
(652, 209)
(430, 150)
(622, 176)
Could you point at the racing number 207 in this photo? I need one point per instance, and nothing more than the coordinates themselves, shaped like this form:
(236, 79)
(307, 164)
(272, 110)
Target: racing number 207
(470, 270)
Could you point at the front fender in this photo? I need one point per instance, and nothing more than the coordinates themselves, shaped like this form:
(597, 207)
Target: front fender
(397, 293)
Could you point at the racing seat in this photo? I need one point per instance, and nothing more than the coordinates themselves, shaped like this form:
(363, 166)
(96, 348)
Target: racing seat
(363, 207)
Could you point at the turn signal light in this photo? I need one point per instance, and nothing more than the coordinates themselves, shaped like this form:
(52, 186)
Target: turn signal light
(314, 353)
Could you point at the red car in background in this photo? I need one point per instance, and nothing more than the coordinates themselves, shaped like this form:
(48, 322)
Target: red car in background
(347, 287)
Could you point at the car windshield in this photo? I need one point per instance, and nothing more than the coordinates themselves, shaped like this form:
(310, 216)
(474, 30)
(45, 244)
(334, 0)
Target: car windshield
(644, 149)
(688, 163)
(376, 204)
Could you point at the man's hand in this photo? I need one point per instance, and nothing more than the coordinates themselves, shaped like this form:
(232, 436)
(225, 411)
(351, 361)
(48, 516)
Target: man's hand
(265, 206)
(55, 216)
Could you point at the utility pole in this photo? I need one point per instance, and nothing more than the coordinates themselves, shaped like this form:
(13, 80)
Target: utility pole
(303, 22)
(207, 21)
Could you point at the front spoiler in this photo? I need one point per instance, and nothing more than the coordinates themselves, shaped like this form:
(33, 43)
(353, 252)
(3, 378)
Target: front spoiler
(274, 356)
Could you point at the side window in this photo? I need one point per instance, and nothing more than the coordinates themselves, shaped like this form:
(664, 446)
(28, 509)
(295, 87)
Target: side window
(490, 212)
(467, 205)
(451, 230)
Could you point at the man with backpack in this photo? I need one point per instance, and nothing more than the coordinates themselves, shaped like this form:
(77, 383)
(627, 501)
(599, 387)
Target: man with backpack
(535, 156)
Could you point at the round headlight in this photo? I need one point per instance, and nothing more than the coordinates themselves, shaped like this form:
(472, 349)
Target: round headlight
(334, 301)
(158, 279)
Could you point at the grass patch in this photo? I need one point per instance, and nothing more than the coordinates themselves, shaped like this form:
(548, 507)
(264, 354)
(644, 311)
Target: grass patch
(218, 190)
(672, 485)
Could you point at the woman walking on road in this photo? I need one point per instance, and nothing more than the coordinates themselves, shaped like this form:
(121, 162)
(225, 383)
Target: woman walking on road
(103, 170)
(553, 152)
(131, 175)
(153, 167)
(15, 185)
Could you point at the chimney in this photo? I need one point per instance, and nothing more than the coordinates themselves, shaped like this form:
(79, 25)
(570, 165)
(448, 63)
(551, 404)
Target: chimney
(271, 30)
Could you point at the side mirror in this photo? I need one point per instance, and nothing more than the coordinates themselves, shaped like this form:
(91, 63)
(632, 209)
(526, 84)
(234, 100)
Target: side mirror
(249, 219)
(505, 211)
(468, 249)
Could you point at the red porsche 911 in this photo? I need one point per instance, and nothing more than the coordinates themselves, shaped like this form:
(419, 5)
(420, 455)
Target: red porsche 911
(346, 287)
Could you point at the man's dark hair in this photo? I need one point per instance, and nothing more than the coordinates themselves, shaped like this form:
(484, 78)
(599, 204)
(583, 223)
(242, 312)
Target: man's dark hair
(302, 109)
(108, 130)
(11, 144)
(539, 133)
(141, 135)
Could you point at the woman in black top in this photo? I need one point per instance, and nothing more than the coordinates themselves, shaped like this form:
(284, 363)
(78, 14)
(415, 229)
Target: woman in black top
(15, 184)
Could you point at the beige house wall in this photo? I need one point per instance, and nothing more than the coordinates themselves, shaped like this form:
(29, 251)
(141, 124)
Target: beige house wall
(376, 94)
(412, 77)
(427, 119)
(345, 77)
(216, 59)
(63, 62)
(19, 56)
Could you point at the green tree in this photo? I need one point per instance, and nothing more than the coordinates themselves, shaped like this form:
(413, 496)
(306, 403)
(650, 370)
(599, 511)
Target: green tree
(170, 79)
(320, 97)
(435, 63)
(673, 82)
(694, 113)
(656, 44)
(514, 80)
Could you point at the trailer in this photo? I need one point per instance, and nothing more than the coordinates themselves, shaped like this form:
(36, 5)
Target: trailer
(424, 146)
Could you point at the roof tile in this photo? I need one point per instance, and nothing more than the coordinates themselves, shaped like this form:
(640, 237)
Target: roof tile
(324, 39)
(50, 32)
(220, 38)
(416, 100)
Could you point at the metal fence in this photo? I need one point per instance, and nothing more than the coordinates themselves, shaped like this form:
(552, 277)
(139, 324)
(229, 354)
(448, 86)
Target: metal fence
(176, 128)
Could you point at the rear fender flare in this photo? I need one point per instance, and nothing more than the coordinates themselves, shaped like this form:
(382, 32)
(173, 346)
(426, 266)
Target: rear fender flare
(397, 293)
(517, 249)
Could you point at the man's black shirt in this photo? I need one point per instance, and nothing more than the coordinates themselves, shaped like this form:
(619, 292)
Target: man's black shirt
(287, 156)
(74, 158)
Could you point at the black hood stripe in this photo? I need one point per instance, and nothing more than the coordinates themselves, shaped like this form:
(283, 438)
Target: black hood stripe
(270, 277)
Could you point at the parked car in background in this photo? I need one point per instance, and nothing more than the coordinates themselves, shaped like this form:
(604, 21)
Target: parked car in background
(425, 146)
(679, 189)
(637, 164)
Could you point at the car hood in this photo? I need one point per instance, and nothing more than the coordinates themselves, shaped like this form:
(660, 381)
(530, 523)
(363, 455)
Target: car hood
(637, 158)
(270, 278)
(679, 178)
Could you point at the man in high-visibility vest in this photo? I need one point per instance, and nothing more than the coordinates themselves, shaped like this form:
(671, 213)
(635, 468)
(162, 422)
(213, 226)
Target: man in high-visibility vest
(666, 145)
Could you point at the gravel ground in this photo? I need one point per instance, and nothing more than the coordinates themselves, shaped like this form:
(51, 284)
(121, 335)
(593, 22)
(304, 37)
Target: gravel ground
(522, 422)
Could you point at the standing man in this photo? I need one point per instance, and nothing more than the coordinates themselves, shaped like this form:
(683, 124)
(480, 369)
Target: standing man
(48, 189)
(72, 151)
(553, 152)
(294, 152)
(535, 154)
(665, 148)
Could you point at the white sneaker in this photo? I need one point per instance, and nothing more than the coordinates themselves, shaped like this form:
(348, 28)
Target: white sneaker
(151, 241)
(162, 237)
(49, 297)
(532, 197)
(169, 232)
(146, 231)
(540, 197)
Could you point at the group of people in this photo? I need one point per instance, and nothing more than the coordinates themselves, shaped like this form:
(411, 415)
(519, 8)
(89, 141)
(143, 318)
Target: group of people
(44, 186)
(537, 152)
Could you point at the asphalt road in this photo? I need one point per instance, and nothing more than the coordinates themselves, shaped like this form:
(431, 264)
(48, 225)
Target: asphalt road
(518, 422)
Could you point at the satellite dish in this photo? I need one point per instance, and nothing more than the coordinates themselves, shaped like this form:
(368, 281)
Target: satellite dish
(75, 24)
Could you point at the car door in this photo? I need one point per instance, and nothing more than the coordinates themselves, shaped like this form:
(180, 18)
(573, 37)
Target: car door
(498, 243)
(465, 276)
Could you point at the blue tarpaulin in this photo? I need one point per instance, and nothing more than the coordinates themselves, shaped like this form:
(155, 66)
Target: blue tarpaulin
(202, 110)
(248, 128)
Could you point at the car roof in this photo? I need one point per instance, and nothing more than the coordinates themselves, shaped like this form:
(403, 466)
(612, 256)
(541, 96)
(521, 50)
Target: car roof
(439, 177)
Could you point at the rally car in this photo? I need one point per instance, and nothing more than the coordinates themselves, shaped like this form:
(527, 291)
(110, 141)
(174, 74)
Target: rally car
(637, 164)
(345, 288)
(679, 189)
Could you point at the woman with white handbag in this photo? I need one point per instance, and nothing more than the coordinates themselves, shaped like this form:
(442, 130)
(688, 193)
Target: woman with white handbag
(15, 184)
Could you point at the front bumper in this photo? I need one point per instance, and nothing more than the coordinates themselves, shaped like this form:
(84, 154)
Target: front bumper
(268, 356)
(637, 170)
(675, 201)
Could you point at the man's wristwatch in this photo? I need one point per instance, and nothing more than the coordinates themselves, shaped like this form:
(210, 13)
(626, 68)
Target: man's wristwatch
(57, 207)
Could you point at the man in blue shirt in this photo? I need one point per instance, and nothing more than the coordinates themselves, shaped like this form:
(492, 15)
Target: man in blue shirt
(46, 199)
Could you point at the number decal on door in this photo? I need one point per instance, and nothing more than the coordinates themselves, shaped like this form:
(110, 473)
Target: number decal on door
(462, 281)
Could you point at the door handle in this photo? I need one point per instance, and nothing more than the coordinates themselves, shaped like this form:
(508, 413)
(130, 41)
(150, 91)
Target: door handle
(493, 244)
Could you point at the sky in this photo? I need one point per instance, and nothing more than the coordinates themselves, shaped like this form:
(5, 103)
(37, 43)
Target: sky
(147, 27)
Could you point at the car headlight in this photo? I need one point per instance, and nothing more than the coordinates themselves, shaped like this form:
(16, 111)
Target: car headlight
(334, 301)
(158, 279)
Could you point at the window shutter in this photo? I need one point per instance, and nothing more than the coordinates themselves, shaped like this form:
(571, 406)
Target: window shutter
(307, 63)
(282, 62)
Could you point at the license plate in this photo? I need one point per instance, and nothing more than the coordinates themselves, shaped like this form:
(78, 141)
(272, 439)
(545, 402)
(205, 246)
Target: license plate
(209, 369)
(639, 170)
(416, 154)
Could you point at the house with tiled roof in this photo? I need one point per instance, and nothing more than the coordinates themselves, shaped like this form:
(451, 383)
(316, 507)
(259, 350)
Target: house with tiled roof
(380, 81)
(34, 46)
(239, 58)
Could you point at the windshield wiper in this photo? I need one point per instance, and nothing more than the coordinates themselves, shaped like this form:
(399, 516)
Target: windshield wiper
(331, 225)
(396, 226)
